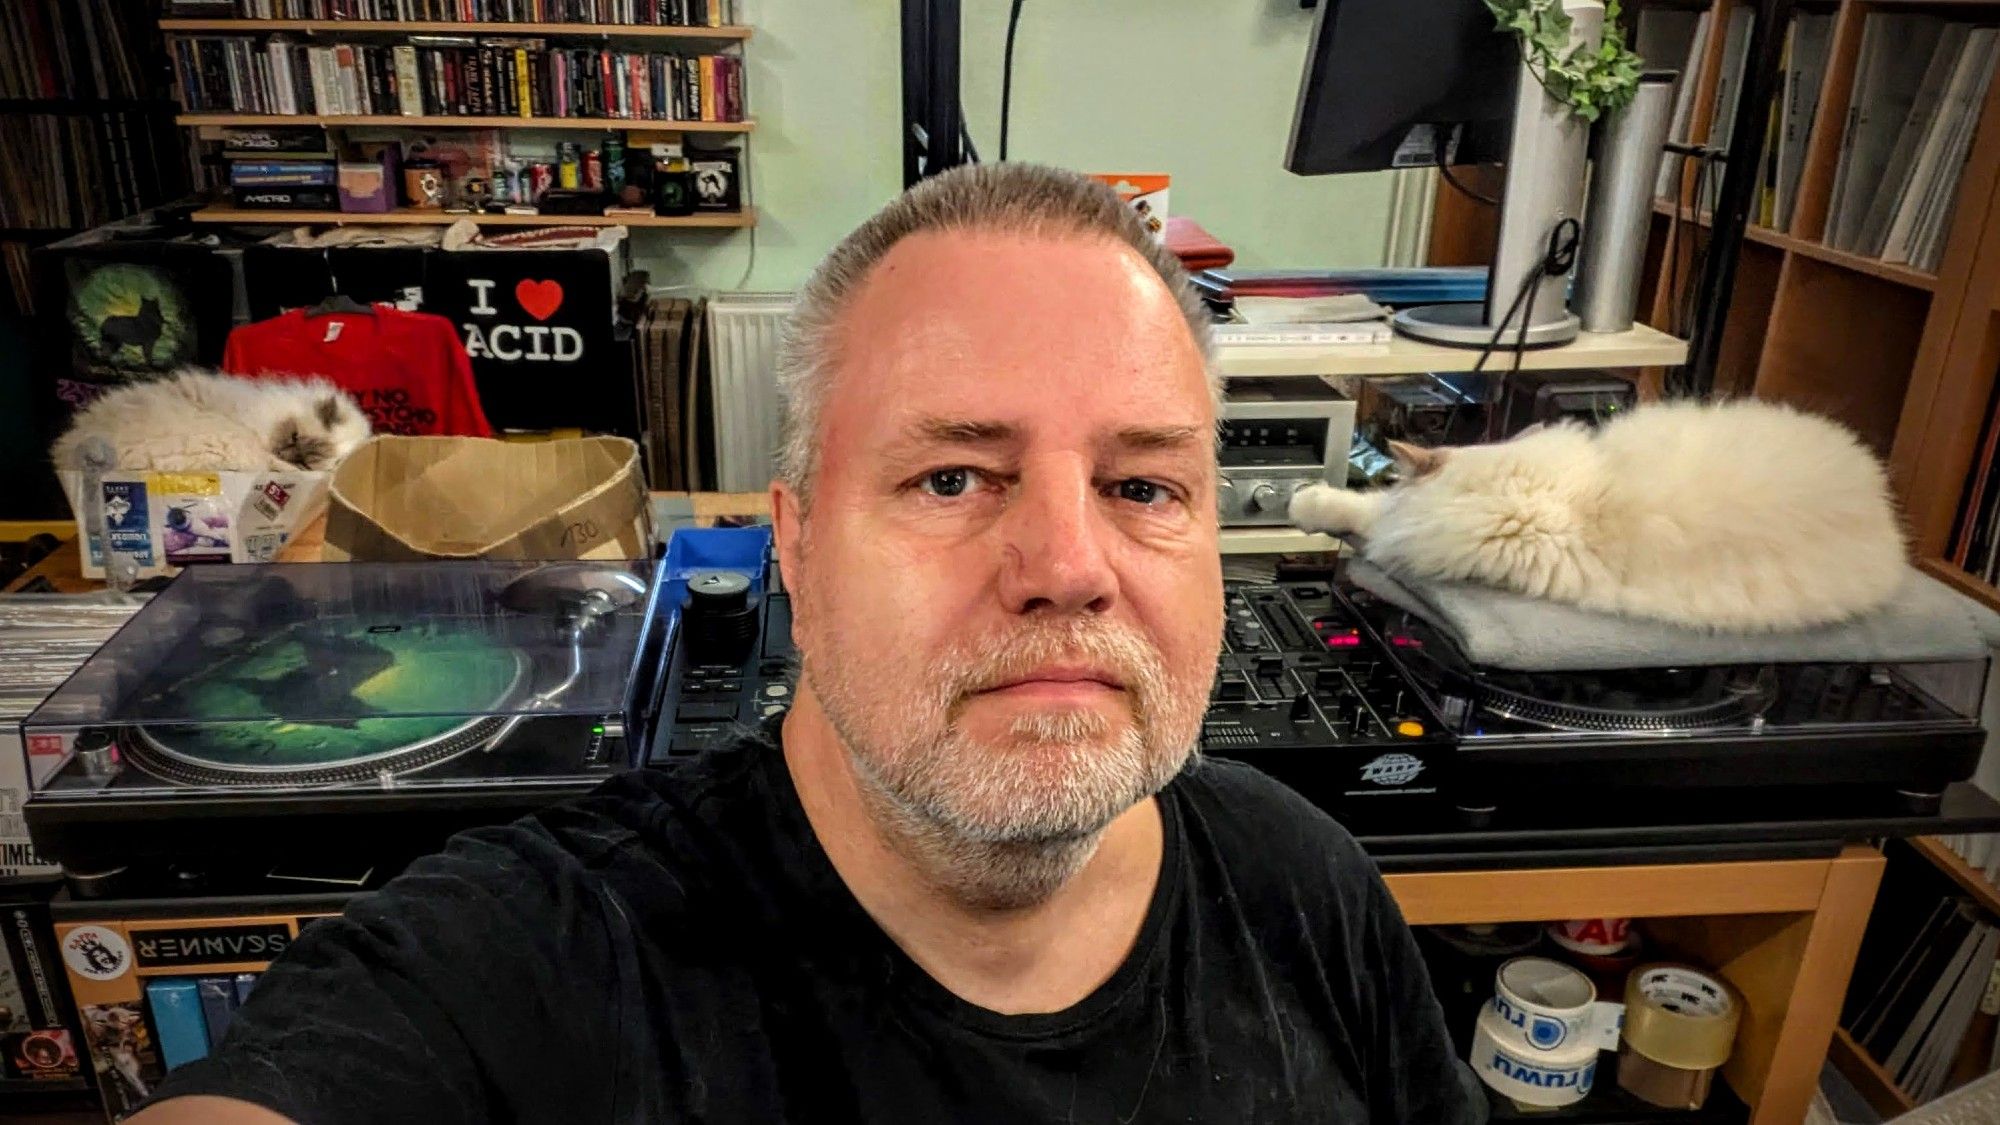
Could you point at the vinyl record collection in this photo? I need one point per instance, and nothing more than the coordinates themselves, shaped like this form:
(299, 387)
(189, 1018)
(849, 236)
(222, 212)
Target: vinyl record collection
(74, 49)
(454, 76)
(1976, 536)
(681, 13)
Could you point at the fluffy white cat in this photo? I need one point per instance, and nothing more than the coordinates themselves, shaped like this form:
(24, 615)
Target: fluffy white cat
(200, 421)
(1743, 516)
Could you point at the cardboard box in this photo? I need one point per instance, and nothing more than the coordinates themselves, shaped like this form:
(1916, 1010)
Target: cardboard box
(1145, 193)
(398, 498)
(168, 520)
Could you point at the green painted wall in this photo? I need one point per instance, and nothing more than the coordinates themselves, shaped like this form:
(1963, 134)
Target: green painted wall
(1200, 89)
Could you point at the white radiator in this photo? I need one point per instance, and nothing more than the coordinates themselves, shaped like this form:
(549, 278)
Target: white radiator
(743, 332)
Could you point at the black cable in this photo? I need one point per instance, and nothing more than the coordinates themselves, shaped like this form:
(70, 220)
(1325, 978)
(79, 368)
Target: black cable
(1558, 258)
(965, 145)
(1007, 76)
(1438, 157)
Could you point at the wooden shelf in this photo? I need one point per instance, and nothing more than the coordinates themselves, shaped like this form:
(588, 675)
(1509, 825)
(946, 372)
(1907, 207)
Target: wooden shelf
(1875, 1084)
(1638, 346)
(427, 27)
(409, 217)
(1969, 879)
(1819, 252)
(456, 122)
(1965, 582)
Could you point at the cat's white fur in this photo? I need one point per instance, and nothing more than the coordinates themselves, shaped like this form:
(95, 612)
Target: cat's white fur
(1743, 516)
(200, 421)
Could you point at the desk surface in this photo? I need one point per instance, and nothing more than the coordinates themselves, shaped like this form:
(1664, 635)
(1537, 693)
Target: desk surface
(1638, 346)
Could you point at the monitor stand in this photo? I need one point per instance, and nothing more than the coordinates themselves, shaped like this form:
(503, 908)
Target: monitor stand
(1546, 159)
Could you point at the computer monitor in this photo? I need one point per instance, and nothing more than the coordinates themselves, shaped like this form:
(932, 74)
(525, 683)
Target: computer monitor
(1415, 83)
(1385, 78)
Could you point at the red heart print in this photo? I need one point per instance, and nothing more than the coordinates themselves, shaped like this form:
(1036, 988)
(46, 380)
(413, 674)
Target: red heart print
(540, 299)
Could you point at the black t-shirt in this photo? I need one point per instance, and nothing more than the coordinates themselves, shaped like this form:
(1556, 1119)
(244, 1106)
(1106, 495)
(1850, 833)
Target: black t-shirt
(677, 947)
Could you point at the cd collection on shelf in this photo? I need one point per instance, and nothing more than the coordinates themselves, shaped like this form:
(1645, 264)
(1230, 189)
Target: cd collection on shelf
(659, 13)
(454, 76)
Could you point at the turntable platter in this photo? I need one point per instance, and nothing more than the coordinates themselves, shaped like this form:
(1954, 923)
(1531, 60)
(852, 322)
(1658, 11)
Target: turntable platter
(361, 701)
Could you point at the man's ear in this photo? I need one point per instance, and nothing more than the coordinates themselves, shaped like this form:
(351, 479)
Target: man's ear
(1415, 461)
(788, 537)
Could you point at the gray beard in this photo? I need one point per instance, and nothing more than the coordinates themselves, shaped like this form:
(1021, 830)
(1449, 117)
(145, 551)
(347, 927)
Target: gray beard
(927, 798)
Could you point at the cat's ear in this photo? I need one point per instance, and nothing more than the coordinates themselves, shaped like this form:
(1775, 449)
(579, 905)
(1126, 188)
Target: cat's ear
(328, 410)
(1525, 431)
(1415, 461)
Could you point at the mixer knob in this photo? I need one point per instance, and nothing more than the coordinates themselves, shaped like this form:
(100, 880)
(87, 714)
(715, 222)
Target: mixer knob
(718, 622)
(1264, 498)
(1225, 496)
(1302, 709)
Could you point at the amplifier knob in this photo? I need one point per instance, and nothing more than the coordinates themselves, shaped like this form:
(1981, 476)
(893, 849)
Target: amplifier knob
(1264, 498)
(1225, 496)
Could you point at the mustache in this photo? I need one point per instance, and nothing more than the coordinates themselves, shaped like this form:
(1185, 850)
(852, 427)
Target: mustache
(1001, 658)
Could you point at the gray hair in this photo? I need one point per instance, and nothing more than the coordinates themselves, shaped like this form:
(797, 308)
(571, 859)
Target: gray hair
(1007, 197)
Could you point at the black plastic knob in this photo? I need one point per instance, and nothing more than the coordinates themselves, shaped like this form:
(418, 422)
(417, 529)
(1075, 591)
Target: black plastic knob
(718, 622)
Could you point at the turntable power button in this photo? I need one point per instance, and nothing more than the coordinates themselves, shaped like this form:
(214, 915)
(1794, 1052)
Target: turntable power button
(1410, 728)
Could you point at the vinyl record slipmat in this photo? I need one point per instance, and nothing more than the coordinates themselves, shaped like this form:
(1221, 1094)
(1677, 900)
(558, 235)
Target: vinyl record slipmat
(362, 701)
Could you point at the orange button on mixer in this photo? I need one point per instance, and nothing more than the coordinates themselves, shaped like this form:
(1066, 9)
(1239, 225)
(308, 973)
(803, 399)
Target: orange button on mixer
(1410, 728)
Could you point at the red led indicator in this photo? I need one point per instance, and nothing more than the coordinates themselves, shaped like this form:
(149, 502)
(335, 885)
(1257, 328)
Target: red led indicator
(1349, 639)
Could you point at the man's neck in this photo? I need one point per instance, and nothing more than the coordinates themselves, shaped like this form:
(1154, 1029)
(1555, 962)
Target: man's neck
(1040, 957)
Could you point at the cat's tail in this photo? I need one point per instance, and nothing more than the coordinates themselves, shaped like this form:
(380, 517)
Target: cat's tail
(1335, 511)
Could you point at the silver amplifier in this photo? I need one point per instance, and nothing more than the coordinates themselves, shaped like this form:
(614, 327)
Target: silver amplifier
(1279, 435)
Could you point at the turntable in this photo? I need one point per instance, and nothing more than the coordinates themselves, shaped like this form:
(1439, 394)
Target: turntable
(314, 711)
(1686, 744)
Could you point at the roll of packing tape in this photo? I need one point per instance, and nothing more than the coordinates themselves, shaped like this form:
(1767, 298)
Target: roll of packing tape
(1594, 937)
(1680, 1016)
(1680, 1024)
(1548, 1006)
(1545, 1079)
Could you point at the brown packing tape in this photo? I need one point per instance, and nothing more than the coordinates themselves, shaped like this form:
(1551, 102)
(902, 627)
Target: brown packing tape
(1680, 1016)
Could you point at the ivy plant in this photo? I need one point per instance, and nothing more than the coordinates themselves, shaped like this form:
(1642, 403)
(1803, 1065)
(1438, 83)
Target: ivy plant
(1591, 81)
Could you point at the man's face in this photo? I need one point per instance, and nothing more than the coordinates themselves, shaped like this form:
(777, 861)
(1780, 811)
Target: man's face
(1007, 591)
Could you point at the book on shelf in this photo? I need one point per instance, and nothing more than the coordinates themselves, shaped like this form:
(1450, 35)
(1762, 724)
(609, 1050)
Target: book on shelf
(1916, 233)
(1896, 52)
(1662, 32)
(657, 13)
(1728, 92)
(454, 76)
(1809, 47)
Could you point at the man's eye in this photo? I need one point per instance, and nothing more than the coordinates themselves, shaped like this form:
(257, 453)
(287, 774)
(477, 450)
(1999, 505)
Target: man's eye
(947, 482)
(1142, 491)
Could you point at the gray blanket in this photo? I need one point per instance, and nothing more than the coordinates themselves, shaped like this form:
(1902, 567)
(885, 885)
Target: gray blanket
(1926, 621)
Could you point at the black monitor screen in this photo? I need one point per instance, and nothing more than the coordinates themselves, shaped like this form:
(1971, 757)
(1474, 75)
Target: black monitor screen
(1385, 78)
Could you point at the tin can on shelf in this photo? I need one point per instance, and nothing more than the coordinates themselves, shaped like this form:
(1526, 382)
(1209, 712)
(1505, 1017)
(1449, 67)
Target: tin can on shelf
(593, 170)
(614, 164)
(503, 184)
(540, 176)
(569, 165)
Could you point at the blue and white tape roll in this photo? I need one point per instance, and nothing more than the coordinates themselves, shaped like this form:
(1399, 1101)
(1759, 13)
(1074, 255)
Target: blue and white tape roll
(1545, 1005)
(1548, 1079)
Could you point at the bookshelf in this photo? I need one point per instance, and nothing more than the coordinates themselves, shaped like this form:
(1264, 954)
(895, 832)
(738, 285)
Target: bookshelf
(641, 41)
(248, 216)
(454, 121)
(439, 27)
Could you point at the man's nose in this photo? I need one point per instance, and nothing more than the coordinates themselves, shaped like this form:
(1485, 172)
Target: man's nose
(1057, 536)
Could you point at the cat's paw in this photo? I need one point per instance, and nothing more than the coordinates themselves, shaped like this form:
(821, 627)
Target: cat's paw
(1334, 511)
